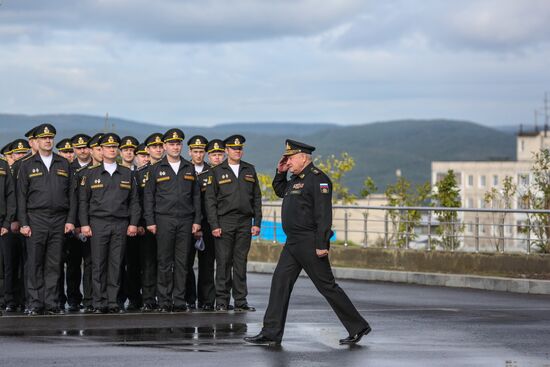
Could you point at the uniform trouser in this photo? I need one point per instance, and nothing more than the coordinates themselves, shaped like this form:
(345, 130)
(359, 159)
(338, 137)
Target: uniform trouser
(87, 284)
(148, 264)
(295, 257)
(130, 281)
(108, 242)
(173, 245)
(205, 287)
(44, 252)
(2, 280)
(12, 247)
(231, 257)
(72, 273)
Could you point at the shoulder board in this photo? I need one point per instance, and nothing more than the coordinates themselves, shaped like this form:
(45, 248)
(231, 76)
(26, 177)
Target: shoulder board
(203, 172)
(80, 169)
(28, 157)
(94, 166)
(315, 171)
(143, 167)
(4, 159)
(124, 167)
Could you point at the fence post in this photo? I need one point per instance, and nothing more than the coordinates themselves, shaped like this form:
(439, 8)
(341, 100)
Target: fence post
(407, 229)
(502, 228)
(345, 228)
(476, 232)
(529, 237)
(386, 229)
(429, 244)
(274, 226)
(366, 234)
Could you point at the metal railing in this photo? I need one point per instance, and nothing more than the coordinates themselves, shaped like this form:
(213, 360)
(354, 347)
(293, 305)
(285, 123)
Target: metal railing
(428, 228)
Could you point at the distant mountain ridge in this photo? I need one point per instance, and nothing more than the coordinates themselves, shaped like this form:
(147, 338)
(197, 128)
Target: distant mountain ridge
(379, 148)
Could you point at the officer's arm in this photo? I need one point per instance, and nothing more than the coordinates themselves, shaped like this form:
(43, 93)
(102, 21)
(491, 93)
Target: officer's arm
(197, 201)
(279, 184)
(135, 209)
(257, 202)
(73, 197)
(11, 201)
(211, 202)
(149, 199)
(322, 208)
(22, 191)
(84, 193)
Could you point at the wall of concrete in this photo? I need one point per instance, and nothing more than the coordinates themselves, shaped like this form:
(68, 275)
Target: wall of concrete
(533, 266)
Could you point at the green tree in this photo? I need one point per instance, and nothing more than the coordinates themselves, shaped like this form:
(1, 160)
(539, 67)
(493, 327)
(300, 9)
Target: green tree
(447, 195)
(404, 221)
(336, 169)
(536, 195)
(266, 187)
(500, 199)
(369, 187)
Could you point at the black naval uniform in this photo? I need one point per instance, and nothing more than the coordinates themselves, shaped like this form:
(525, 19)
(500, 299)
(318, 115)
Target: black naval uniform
(172, 203)
(307, 220)
(203, 288)
(147, 244)
(108, 204)
(43, 204)
(233, 204)
(8, 208)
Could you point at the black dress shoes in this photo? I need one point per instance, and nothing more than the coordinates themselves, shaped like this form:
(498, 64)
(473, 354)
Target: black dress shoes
(73, 307)
(355, 338)
(207, 307)
(181, 308)
(260, 339)
(221, 307)
(55, 311)
(245, 307)
(35, 312)
(101, 310)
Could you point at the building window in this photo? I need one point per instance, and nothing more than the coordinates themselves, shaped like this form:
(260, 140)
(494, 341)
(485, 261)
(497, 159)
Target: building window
(470, 180)
(523, 145)
(482, 181)
(481, 203)
(495, 180)
(508, 229)
(470, 203)
(469, 228)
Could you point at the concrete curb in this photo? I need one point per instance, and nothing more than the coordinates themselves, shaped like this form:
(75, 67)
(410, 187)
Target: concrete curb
(532, 286)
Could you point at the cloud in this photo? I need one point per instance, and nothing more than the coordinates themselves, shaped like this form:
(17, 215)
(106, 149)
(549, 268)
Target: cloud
(479, 25)
(177, 20)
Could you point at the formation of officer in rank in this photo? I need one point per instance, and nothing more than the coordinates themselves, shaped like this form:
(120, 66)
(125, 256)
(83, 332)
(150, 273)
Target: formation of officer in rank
(104, 224)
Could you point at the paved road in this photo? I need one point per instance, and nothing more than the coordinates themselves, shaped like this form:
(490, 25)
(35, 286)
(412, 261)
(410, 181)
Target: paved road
(412, 326)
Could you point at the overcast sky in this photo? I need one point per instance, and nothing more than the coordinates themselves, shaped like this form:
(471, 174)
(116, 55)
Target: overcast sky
(345, 61)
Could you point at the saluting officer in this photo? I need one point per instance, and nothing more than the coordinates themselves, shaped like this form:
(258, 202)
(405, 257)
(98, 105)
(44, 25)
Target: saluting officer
(109, 211)
(148, 153)
(42, 205)
(8, 208)
(205, 287)
(173, 213)
(307, 220)
(130, 281)
(234, 210)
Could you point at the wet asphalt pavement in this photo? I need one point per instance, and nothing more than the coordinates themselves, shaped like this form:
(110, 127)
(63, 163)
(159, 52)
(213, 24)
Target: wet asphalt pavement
(412, 326)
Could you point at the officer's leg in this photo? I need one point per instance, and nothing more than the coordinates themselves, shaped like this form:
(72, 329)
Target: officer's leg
(320, 273)
(183, 241)
(117, 246)
(148, 259)
(2, 278)
(99, 245)
(62, 296)
(240, 255)
(282, 283)
(133, 270)
(74, 271)
(52, 263)
(11, 253)
(224, 259)
(206, 288)
(36, 249)
(166, 236)
(123, 289)
(191, 280)
(87, 284)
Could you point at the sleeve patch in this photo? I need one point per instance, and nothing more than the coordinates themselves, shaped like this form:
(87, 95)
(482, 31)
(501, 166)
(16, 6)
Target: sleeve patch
(324, 188)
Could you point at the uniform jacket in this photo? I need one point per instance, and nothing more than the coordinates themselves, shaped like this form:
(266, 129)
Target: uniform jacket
(8, 206)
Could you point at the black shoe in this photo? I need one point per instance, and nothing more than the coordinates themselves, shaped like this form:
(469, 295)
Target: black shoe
(182, 308)
(355, 338)
(10, 309)
(132, 307)
(116, 309)
(73, 307)
(55, 311)
(35, 312)
(101, 310)
(88, 309)
(147, 308)
(192, 306)
(221, 307)
(165, 309)
(260, 339)
(245, 307)
(208, 307)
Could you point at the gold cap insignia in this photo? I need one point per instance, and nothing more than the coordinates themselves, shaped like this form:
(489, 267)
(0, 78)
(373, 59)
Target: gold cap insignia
(237, 141)
(198, 142)
(46, 130)
(20, 146)
(80, 140)
(111, 140)
(68, 145)
(158, 139)
(175, 135)
(288, 147)
(129, 142)
(216, 146)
